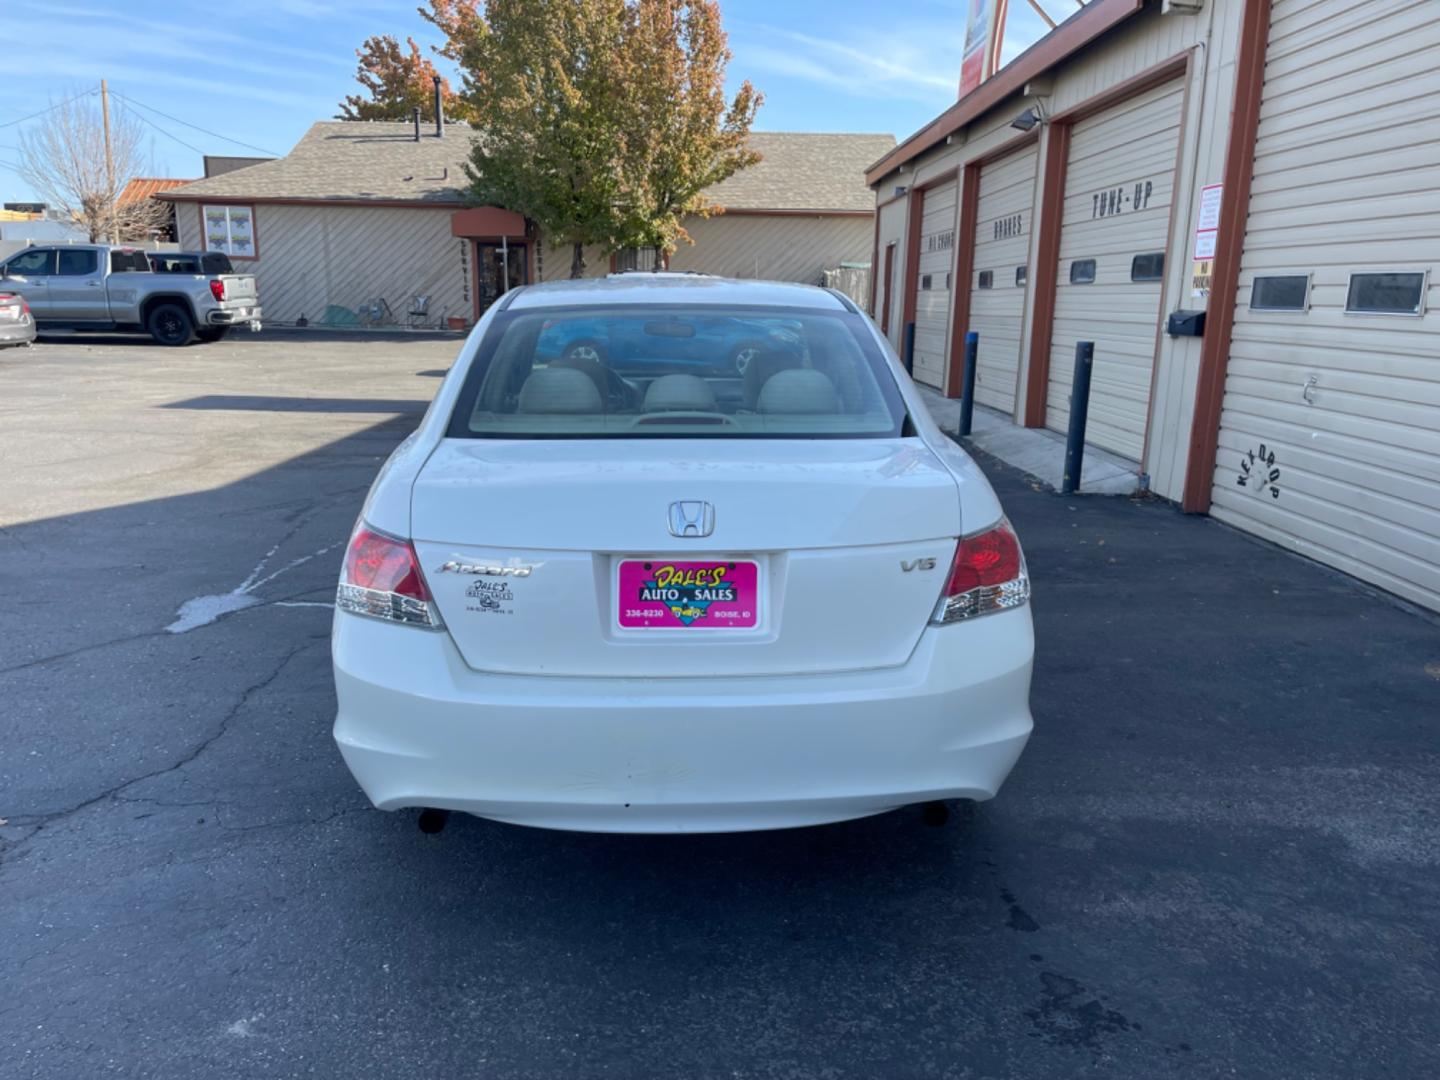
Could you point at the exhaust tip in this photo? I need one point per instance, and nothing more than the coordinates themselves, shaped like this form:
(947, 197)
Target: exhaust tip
(433, 821)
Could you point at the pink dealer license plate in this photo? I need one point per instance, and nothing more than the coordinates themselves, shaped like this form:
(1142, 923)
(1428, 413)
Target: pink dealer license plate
(676, 595)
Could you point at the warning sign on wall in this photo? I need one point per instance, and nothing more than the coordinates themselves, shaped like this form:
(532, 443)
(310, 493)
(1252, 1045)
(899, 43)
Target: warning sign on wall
(1200, 278)
(1207, 231)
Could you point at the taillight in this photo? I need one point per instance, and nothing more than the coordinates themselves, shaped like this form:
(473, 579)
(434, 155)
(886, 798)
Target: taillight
(217, 289)
(24, 306)
(988, 575)
(382, 579)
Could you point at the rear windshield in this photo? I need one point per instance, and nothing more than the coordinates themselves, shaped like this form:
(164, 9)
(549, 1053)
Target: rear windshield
(675, 372)
(209, 263)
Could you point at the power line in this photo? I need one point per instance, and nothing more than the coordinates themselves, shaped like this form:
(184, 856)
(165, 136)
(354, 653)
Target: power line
(197, 127)
(51, 108)
(150, 123)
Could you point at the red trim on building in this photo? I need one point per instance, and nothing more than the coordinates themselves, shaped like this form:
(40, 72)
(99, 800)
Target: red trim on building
(1220, 316)
(964, 270)
(1047, 270)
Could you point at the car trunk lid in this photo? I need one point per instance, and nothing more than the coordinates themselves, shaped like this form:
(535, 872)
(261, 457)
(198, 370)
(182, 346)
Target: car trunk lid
(553, 557)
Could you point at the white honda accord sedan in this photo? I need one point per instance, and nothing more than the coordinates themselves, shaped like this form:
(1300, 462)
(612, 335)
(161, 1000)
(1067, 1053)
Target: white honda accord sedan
(672, 553)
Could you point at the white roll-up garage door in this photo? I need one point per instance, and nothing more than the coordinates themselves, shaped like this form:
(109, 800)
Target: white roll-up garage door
(1330, 431)
(932, 301)
(1114, 232)
(1000, 275)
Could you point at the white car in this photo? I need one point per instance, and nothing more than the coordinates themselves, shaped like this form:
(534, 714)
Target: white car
(630, 592)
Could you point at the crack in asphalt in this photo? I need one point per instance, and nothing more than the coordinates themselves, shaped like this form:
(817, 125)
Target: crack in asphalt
(37, 823)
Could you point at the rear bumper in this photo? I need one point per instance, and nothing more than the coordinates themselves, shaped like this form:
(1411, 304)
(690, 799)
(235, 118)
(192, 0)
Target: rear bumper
(17, 333)
(419, 728)
(234, 316)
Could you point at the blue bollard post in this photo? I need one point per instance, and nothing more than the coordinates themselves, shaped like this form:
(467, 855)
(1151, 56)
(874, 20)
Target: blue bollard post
(907, 355)
(967, 394)
(1079, 408)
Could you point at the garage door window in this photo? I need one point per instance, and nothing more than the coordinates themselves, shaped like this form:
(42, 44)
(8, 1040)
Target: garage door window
(1280, 292)
(1082, 272)
(1386, 294)
(987, 279)
(1148, 267)
(1021, 274)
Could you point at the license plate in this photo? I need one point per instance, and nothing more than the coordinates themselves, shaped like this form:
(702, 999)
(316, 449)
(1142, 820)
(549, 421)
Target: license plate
(689, 594)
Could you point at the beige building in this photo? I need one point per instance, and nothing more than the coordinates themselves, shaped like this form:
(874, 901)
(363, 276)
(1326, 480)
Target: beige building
(1238, 202)
(360, 221)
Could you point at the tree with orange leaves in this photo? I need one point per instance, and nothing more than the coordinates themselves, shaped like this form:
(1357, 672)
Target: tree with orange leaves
(601, 120)
(395, 82)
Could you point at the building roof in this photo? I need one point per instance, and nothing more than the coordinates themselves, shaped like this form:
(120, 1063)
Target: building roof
(142, 187)
(802, 171)
(374, 161)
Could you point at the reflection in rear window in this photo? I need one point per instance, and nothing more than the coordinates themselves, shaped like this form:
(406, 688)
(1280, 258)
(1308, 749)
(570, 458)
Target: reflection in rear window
(673, 372)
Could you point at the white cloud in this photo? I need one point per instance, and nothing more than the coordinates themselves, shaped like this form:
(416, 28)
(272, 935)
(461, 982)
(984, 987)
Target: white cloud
(901, 63)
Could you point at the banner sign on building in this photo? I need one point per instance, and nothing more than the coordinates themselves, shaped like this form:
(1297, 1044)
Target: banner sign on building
(976, 62)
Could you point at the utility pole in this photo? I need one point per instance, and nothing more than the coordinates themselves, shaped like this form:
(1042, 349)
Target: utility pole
(109, 163)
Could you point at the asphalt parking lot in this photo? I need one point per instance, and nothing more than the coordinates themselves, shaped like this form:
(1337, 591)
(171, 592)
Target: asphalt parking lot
(1220, 855)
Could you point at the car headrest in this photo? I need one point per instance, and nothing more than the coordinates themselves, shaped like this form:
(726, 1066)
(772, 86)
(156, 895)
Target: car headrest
(799, 391)
(680, 393)
(559, 391)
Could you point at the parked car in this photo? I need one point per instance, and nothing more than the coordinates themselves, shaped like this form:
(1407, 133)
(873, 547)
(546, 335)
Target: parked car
(712, 344)
(605, 596)
(98, 287)
(17, 325)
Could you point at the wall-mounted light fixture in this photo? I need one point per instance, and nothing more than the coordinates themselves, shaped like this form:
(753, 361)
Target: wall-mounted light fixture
(1034, 114)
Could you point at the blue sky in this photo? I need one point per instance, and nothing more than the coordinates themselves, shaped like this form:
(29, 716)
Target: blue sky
(262, 77)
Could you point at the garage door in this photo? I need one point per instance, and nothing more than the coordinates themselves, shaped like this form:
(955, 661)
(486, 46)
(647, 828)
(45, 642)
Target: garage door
(1330, 430)
(932, 302)
(1116, 224)
(997, 291)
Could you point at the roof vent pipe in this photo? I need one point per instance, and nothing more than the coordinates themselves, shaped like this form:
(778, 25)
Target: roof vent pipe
(439, 111)
(415, 115)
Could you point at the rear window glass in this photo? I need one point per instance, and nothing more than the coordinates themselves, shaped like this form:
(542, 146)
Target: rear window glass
(77, 262)
(216, 262)
(126, 261)
(673, 372)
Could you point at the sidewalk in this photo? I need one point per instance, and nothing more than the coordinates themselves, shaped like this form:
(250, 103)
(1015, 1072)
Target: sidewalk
(1037, 451)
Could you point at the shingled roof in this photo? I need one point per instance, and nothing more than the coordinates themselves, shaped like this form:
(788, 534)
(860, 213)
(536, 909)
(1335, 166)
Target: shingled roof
(369, 161)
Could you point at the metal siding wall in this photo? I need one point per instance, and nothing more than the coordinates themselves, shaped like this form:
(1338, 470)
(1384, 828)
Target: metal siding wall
(774, 248)
(1134, 143)
(1347, 167)
(315, 256)
(1007, 194)
(555, 262)
(932, 306)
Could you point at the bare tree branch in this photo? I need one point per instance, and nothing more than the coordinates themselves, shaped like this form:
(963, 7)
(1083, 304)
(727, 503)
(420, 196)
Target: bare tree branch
(62, 156)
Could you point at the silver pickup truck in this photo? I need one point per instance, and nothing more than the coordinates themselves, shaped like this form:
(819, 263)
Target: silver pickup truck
(99, 287)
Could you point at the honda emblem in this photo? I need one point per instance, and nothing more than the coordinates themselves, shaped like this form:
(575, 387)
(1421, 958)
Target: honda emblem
(691, 519)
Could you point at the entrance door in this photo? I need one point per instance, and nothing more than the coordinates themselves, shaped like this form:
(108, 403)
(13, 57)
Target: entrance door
(498, 269)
